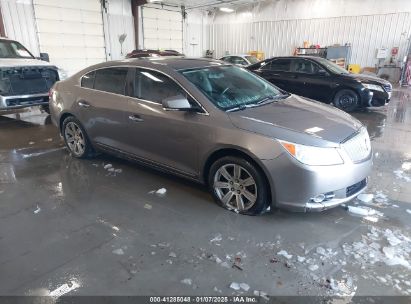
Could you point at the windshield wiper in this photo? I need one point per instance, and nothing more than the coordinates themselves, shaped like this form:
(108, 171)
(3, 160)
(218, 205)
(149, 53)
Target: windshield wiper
(239, 108)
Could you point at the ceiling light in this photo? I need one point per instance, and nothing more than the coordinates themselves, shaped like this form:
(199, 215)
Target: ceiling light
(226, 9)
(152, 1)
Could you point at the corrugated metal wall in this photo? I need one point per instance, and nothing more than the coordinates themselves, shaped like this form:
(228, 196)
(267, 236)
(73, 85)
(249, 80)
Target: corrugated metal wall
(19, 23)
(278, 38)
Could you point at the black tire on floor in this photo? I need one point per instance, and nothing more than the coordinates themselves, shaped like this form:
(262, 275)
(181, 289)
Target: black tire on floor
(247, 169)
(69, 124)
(346, 100)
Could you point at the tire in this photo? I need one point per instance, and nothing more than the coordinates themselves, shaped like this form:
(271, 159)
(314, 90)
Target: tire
(346, 100)
(76, 138)
(250, 195)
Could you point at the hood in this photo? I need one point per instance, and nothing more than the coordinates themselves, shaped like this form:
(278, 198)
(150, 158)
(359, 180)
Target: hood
(295, 116)
(367, 78)
(18, 62)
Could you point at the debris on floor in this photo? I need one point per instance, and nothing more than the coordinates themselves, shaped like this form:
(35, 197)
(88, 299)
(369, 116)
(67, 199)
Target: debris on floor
(285, 254)
(313, 267)
(217, 238)
(108, 166)
(31, 143)
(365, 197)
(64, 289)
(172, 255)
(148, 206)
(38, 209)
(159, 192)
(408, 211)
(187, 281)
(235, 286)
(261, 294)
(119, 251)
(401, 175)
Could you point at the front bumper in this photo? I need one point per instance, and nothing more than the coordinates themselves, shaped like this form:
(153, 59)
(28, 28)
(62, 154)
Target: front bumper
(294, 185)
(380, 99)
(23, 101)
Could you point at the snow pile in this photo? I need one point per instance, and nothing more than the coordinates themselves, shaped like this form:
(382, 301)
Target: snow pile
(401, 175)
(365, 197)
(285, 254)
(111, 170)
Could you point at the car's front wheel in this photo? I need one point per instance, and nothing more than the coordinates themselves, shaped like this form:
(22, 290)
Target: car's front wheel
(76, 138)
(238, 185)
(346, 100)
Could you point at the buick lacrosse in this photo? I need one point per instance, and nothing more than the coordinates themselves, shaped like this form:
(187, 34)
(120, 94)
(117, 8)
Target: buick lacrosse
(251, 143)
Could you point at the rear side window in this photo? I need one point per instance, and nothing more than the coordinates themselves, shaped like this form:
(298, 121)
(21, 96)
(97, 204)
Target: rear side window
(112, 80)
(278, 65)
(304, 66)
(154, 86)
(87, 81)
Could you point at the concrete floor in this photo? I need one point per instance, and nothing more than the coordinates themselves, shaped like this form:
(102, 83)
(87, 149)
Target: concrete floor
(68, 221)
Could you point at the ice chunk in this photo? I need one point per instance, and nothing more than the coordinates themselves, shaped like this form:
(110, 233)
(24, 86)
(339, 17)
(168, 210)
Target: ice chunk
(161, 191)
(364, 211)
(408, 210)
(118, 170)
(119, 251)
(235, 286)
(285, 254)
(300, 259)
(172, 255)
(406, 166)
(38, 209)
(320, 250)
(187, 281)
(365, 197)
(217, 238)
(313, 267)
(64, 289)
(148, 206)
(244, 286)
(108, 166)
(373, 219)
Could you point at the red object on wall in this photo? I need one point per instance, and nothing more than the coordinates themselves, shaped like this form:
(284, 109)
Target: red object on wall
(394, 51)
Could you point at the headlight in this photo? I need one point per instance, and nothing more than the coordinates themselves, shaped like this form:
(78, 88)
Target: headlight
(313, 156)
(374, 87)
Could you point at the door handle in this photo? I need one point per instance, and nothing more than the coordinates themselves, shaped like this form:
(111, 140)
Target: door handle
(83, 104)
(135, 118)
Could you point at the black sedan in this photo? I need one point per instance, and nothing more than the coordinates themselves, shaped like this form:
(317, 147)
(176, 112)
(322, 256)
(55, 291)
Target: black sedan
(320, 79)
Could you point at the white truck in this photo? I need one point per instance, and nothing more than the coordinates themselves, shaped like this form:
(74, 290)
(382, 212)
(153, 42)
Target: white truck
(24, 79)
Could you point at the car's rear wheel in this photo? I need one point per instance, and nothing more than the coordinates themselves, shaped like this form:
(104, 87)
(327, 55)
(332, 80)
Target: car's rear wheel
(346, 100)
(76, 138)
(238, 185)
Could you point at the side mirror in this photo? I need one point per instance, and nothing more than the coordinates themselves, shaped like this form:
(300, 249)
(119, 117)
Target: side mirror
(177, 103)
(44, 57)
(322, 73)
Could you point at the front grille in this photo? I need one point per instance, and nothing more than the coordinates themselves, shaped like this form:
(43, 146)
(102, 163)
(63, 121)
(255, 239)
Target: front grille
(16, 102)
(358, 147)
(356, 187)
(26, 80)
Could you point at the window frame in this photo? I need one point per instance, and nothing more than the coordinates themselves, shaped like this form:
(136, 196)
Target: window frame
(294, 62)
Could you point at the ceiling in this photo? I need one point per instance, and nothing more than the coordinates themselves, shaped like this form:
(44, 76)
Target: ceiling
(208, 4)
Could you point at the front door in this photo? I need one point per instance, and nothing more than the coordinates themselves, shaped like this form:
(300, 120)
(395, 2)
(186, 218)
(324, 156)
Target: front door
(157, 135)
(277, 72)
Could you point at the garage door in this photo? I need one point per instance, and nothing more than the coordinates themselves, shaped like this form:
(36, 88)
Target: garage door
(162, 29)
(71, 32)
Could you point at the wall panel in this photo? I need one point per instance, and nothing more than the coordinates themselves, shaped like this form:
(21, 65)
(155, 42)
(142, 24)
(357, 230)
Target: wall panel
(278, 38)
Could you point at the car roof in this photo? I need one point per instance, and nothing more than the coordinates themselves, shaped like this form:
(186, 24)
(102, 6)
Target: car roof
(162, 63)
(239, 55)
(293, 57)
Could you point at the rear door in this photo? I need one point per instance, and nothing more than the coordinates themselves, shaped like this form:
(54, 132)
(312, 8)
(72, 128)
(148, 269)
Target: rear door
(102, 104)
(277, 71)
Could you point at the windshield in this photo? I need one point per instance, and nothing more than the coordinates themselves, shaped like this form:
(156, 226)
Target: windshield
(332, 66)
(13, 49)
(252, 59)
(230, 87)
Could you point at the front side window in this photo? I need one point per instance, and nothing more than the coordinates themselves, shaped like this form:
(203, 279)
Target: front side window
(238, 60)
(304, 66)
(13, 49)
(112, 80)
(230, 87)
(332, 66)
(154, 86)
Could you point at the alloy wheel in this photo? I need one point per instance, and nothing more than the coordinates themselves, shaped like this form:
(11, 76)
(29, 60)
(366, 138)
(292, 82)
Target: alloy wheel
(235, 187)
(75, 138)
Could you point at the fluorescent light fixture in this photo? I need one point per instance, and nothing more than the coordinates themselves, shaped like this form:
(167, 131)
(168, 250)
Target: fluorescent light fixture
(151, 1)
(226, 9)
